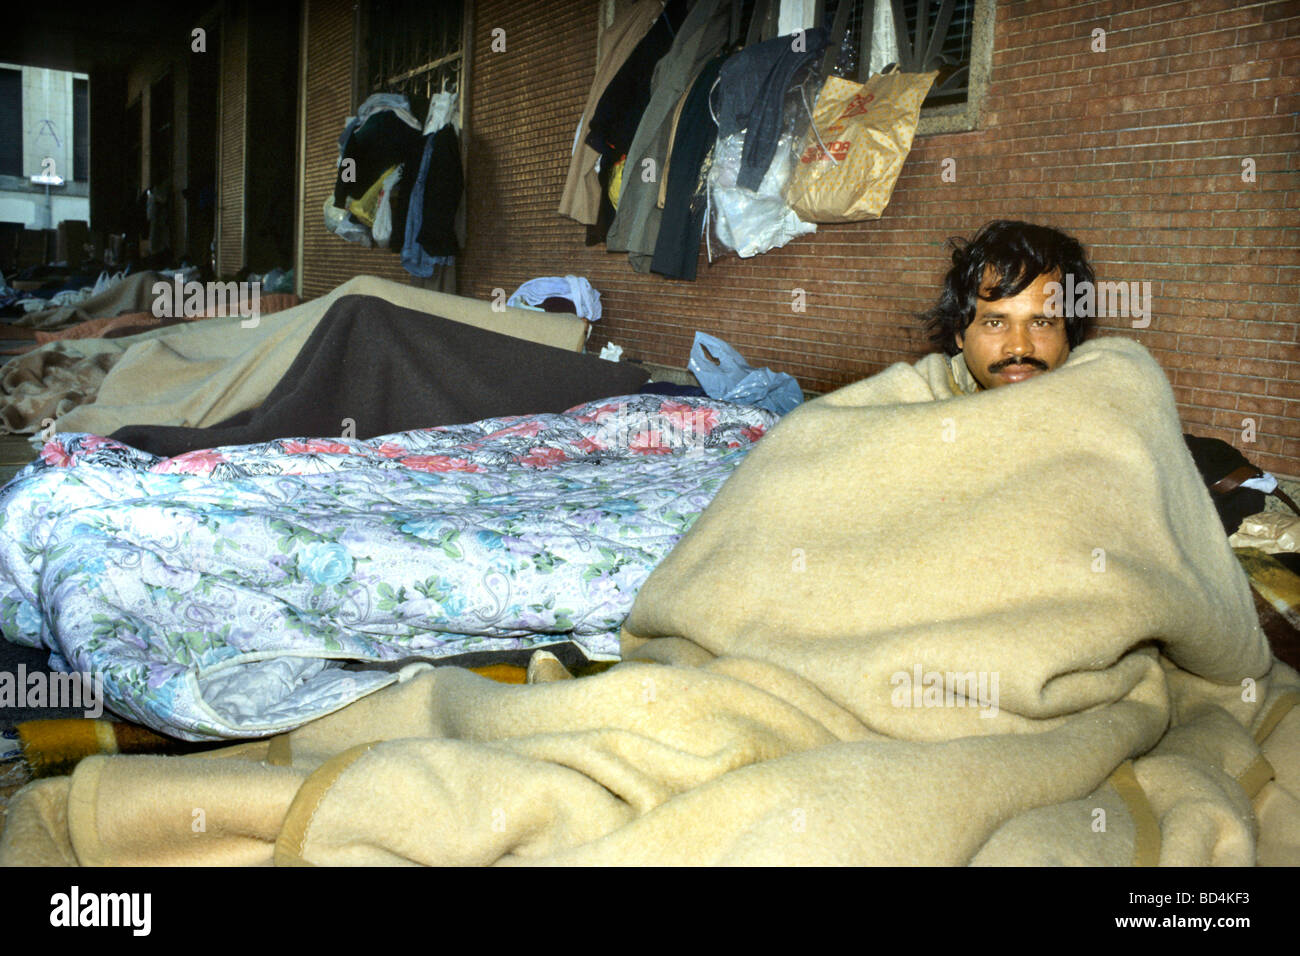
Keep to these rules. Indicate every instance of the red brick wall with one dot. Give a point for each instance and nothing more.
(1137, 151)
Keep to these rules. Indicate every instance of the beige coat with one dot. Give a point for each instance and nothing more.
(581, 197)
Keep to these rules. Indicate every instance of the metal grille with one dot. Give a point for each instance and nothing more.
(414, 47)
(851, 47)
(916, 43)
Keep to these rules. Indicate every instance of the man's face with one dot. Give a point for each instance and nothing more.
(1013, 339)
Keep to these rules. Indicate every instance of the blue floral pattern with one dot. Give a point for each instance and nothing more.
(219, 593)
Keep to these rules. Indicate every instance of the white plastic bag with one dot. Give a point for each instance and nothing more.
(337, 222)
(751, 222)
(382, 230)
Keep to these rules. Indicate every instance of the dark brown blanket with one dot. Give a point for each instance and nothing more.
(387, 369)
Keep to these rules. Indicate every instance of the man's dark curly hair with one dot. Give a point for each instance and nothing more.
(1017, 253)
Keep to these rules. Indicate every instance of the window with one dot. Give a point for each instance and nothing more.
(11, 122)
(80, 130)
(415, 47)
(953, 36)
(932, 34)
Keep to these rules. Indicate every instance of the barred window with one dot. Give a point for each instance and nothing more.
(917, 35)
(415, 47)
(954, 37)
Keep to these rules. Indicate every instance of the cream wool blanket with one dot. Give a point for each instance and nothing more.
(1053, 534)
(133, 293)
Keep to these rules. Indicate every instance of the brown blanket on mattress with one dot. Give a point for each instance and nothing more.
(382, 369)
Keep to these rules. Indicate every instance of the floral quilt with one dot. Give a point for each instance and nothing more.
(219, 593)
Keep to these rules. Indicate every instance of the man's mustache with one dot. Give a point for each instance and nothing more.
(1024, 360)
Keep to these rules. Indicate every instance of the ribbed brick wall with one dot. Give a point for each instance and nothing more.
(230, 182)
(1137, 151)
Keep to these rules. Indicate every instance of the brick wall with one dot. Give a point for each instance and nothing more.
(1137, 151)
(231, 144)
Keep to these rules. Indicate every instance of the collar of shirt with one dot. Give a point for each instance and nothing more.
(963, 382)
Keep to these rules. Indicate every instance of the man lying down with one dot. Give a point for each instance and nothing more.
(928, 620)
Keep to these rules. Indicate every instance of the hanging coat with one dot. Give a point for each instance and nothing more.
(581, 197)
(702, 36)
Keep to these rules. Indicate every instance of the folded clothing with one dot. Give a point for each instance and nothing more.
(579, 291)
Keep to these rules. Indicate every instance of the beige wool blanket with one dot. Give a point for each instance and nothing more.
(201, 374)
(911, 628)
(134, 293)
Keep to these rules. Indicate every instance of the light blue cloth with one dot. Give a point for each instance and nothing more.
(585, 299)
(414, 259)
(1265, 483)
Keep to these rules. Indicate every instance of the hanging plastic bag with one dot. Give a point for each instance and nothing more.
(338, 222)
(731, 379)
(442, 110)
(746, 221)
(852, 154)
(382, 230)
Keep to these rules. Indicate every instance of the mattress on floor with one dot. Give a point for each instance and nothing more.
(218, 593)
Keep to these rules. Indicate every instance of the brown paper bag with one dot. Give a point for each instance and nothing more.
(854, 150)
